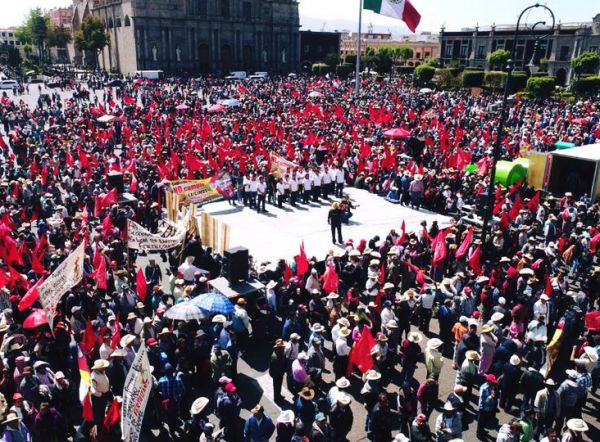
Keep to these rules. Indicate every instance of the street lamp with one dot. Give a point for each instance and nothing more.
(533, 68)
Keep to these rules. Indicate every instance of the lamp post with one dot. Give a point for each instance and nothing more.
(533, 68)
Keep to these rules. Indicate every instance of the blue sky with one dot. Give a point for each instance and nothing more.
(340, 14)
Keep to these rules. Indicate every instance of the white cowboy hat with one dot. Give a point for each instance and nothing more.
(342, 383)
(591, 353)
(316, 327)
(198, 405)
(515, 360)
(100, 364)
(343, 322)
(448, 406)
(11, 417)
(415, 337)
(372, 375)
(286, 417)
(577, 425)
(343, 399)
(498, 316)
(434, 343)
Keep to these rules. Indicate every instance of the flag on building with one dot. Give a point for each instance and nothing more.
(402, 9)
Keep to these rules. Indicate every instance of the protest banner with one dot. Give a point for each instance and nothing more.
(68, 274)
(280, 165)
(203, 191)
(136, 392)
(169, 235)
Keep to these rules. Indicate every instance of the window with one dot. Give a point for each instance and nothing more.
(225, 8)
(247, 10)
(448, 50)
(427, 54)
(418, 55)
(464, 50)
(593, 48)
(481, 51)
(10, 34)
(127, 21)
(500, 44)
(564, 53)
(201, 7)
(110, 23)
(118, 22)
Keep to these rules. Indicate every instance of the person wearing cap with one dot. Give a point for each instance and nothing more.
(241, 322)
(487, 405)
(446, 320)
(420, 430)
(227, 408)
(259, 427)
(24, 410)
(278, 368)
(530, 383)
(15, 430)
(62, 396)
(152, 273)
(509, 382)
(171, 389)
(285, 426)
(29, 386)
(425, 309)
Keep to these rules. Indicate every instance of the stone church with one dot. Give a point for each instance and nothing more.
(196, 36)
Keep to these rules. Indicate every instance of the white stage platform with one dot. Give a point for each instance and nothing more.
(278, 233)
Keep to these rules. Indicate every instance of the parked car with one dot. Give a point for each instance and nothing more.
(8, 84)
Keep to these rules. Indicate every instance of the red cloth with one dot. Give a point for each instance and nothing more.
(400, 239)
(140, 285)
(474, 261)
(116, 338)
(534, 202)
(100, 273)
(287, 274)
(516, 208)
(113, 416)
(301, 262)
(87, 412)
(439, 247)
(592, 320)
(330, 279)
(31, 296)
(360, 355)
(464, 247)
(88, 342)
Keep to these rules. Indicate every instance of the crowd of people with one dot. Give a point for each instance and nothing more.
(371, 326)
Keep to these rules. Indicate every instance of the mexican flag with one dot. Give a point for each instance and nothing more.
(401, 9)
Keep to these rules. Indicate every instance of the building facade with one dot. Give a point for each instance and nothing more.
(471, 47)
(197, 36)
(424, 46)
(316, 46)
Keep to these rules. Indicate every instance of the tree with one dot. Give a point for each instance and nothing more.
(498, 58)
(332, 60)
(58, 36)
(587, 86)
(10, 55)
(586, 63)
(472, 78)
(423, 74)
(35, 30)
(495, 79)
(541, 87)
(405, 53)
(92, 36)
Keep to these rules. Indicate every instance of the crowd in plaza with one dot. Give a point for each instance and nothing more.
(513, 317)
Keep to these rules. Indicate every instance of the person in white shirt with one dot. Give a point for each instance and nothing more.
(339, 182)
(261, 193)
(252, 189)
(325, 182)
(342, 350)
(307, 189)
(280, 191)
(292, 348)
(294, 188)
(316, 181)
(541, 308)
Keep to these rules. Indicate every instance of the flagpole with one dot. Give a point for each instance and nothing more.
(358, 53)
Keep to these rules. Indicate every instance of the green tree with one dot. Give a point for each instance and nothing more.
(332, 60)
(405, 53)
(472, 78)
(586, 63)
(544, 65)
(383, 60)
(58, 36)
(498, 58)
(35, 30)
(495, 79)
(423, 74)
(541, 87)
(92, 36)
(587, 86)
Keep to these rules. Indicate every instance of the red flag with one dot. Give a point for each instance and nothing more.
(594, 242)
(504, 220)
(498, 206)
(88, 342)
(439, 247)
(474, 261)
(4, 278)
(592, 320)
(400, 239)
(360, 355)
(287, 274)
(516, 208)
(548, 287)
(129, 100)
(113, 416)
(301, 262)
(116, 337)
(140, 285)
(100, 273)
(111, 197)
(382, 275)
(330, 279)
(31, 296)
(534, 202)
(462, 250)
(87, 411)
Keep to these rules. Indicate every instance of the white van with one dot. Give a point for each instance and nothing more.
(150, 75)
(8, 84)
(237, 75)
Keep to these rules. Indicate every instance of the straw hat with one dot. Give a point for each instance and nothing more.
(472, 355)
(11, 417)
(342, 383)
(218, 319)
(415, 337)
(498, 316)
(448, 406)
(344, 332)
(316, 327)
(279, 343)
(286, 417)
(302, 356)
(127, 340)
(100, 364)
(577, 425)
(307, 393)
(434, 343)
(343, 322)
(486, 329)
(333, 295)
(372, 375)
(482, 280)
(388, 286)
(591, 353)
(164, 331)
(515, 360)
(343, 399)
(504, 259)
(381, 337)
(198, 405)
(391, 324)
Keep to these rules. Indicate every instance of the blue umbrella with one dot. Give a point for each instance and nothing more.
(214, 303)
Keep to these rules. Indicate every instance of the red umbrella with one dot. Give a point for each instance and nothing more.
(216, 108)
(36, 319)
(396, 133)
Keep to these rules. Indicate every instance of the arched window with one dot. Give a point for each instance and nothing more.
(127, 21)
(110, 23)
(118, 22)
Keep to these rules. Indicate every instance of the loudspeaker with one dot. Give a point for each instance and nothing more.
(115, 179)
(235, 264)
